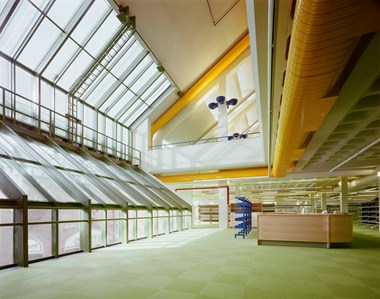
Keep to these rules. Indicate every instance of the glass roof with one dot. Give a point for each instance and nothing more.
(48, 173)
(82, 47)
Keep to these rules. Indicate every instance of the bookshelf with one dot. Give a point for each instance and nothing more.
(209, 213)
(370, 213)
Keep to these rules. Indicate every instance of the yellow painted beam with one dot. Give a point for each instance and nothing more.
(223, 174)
(190, 94)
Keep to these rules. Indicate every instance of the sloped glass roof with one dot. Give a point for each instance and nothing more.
(83, 48)
(47, 172)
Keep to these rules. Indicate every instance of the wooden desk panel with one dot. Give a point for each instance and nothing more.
(312, 228)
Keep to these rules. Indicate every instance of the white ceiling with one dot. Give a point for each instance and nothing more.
(182, 34)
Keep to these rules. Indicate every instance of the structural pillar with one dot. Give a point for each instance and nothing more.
(343, 195)
(223, 205)
(222, 120)
(324, 202)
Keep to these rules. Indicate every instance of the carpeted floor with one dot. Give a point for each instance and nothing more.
(205, 263)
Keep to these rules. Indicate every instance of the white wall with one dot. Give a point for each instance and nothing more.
(202, 157)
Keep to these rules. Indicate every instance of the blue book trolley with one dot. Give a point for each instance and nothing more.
(245, 216)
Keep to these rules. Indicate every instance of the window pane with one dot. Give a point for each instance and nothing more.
(127, 59)
(65, 215)
(39, 215)
(48, 184)
(69, 237)
(141, 228)
(63, 11)
(60, 60)
(114, 98)
(152, 98)
(162, 225)
(113, 231)
(76, 69)
(39, 242)
(42, 40)
(137, 71)
(6, 245)
(132, 229)
(103, 35)
(134, 112)
(22, 183)
(121, 103)
(18, 27)
(90, 20)
(97, 234)
(101, 89)
(146, 76)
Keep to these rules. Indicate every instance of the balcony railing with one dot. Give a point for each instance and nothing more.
(235, 136)
(17, 108)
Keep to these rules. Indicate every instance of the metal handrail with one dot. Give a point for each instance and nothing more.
(203, 140)
(126, 152)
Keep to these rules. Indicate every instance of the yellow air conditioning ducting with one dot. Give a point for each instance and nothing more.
(321, 44)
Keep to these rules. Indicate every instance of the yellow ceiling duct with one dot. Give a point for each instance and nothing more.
(321, 44)
(218, 175)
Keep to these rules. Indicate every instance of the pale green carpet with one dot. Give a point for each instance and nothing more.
(205, 263)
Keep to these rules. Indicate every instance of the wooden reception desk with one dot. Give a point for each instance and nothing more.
(327, 230)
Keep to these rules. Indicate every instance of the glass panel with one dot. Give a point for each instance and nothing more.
(39, 215)
(6, 245)
(2, 196)
(89, 21)
(64, 215)
(142, 231)
(21, 182)
(148, 74)
(47, 95)
(97, 228)
(134, 112)
(40, 241)
(63, 11)
(127, 59)
(40, 3)
(103, 35)
(113, 214)
(89, 189)
(98, 214)
(69, 237)
(76, 69)
(60, 60)
(131, 229)
(5, 73)
(113, 231)
(115, 96)
(157, 93)
(137, 71)
(121, 103)
(10, 146)
(41, 41)
(6, 216)
(162, 225)
(25, 84)
(18, 27)
(48, 184)
(101, 89)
